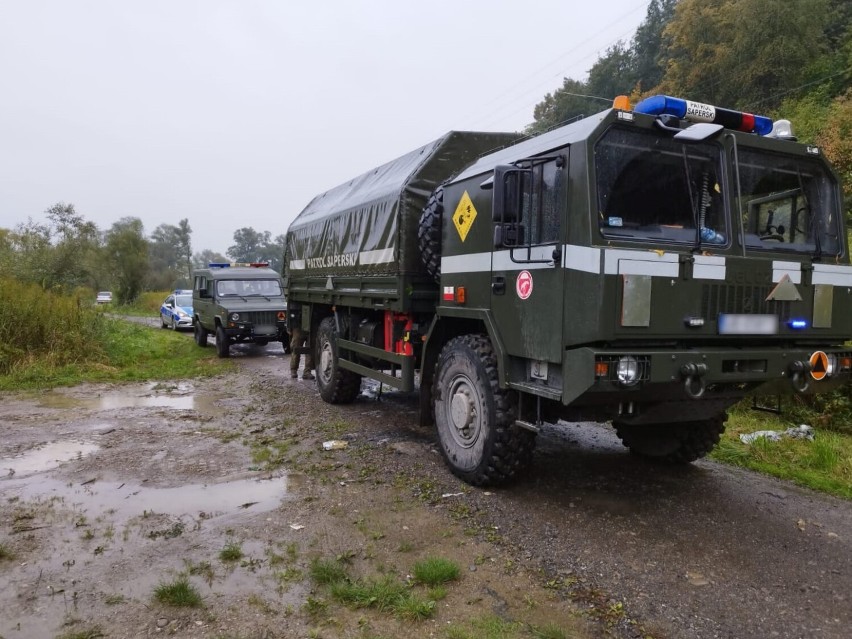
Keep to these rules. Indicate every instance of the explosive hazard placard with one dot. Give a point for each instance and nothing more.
(464, 216)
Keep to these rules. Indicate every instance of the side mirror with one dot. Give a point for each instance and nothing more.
(509, 183)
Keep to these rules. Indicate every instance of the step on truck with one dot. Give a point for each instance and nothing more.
(648, 266)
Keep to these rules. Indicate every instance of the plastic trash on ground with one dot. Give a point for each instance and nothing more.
(334, 444)
(803, 431)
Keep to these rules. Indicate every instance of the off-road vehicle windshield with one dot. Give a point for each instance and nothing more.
(248, 288)
(788, 204)
(652, 187)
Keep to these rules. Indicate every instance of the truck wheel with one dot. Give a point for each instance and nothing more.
(429, 233)
(336, 385)
(200, 334)
(678, 443)
(475, 418)
(223, 346)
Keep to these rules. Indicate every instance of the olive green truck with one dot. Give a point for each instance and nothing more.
(648, 266)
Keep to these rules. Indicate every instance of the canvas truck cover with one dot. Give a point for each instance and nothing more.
(368, 226)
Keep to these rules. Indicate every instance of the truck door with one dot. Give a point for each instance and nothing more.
(527, 279)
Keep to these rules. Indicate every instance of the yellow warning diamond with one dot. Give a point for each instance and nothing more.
(464, 216)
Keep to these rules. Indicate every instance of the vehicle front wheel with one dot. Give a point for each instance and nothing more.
(475, 418)
(174, 323)
(200, 334)
(336, 385)
(223, 344)
(676, 443)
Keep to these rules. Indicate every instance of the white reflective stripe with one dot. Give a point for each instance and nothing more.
(835, 274)
(793, 269)
(297, 265)
(581, 258)
(709, 267)
(380, 256)
(626, 262)
(471, 263)
(503, 259)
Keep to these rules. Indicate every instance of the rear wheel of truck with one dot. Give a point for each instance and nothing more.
(200, 334)
(336, 385)
(429, 233)
(475, 418)
(678, 443)
(223, 345)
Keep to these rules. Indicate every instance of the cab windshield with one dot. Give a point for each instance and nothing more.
(787, 204)
(248, 288)
(652, 187)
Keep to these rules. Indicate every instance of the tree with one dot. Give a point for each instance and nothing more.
(567, 103)
(127, 253)
(613, 74)
(205, 257)
(743, 53)
(170, 256)
(73, 260)
(254, 246)
(649, 47)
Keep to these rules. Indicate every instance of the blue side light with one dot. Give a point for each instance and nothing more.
(762, 125)
(662, 104)
(797, 324)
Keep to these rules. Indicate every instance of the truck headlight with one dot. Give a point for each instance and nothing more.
(627, 371)
(234, 317)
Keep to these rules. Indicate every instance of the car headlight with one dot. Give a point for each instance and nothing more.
(627, 371)
(234, 317)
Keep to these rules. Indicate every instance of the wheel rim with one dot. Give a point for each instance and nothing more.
(464, 412)
(325, 362)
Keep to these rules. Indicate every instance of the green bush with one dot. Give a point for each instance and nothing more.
(53, 328)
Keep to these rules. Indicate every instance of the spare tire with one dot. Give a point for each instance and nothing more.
(429, 233)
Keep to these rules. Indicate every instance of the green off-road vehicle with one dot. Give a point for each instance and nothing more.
(239, 303)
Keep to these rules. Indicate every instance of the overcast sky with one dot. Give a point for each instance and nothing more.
(236, 113)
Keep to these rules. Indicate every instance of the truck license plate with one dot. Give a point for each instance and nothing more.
(735, 324)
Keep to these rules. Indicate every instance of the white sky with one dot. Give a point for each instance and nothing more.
(236, 113)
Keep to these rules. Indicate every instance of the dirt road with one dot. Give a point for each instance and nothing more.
(109, 491)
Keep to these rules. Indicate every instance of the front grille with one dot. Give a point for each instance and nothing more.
(269, 318)
(730, 298)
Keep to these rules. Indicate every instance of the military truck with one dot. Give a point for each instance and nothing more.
(240, 302)
(648, 266)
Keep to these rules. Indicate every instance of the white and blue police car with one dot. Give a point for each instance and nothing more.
(176, 311)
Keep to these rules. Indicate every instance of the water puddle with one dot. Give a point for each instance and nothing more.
(177, 396)
(124, 500)
(46, 457)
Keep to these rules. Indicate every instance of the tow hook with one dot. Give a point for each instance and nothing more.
(799, 375)
(693, 384)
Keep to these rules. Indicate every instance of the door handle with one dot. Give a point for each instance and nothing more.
(498, 285)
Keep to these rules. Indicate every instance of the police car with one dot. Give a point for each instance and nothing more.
(176, 311)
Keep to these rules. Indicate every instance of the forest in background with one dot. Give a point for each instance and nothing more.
(787, 59)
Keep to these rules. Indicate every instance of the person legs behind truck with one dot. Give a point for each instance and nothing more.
(298, 339)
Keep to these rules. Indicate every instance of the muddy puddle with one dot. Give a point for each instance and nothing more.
(178, 397)
(124, 500)
(45, 457)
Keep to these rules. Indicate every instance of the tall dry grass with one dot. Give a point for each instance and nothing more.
(46, 327)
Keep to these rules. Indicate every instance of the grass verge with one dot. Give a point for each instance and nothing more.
(824, 464)
(126, 352)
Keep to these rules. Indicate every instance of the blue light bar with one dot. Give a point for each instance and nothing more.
(797, 324)
(219, 265)
(699, 112)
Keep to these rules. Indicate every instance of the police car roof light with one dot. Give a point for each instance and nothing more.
(698, 112)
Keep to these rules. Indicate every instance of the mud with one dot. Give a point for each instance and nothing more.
(118, 489)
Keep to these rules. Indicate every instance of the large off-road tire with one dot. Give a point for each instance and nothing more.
(677, 443)
(223, 342)
(429, 233)
(200, 333)
(336, 385)
(475, 418)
